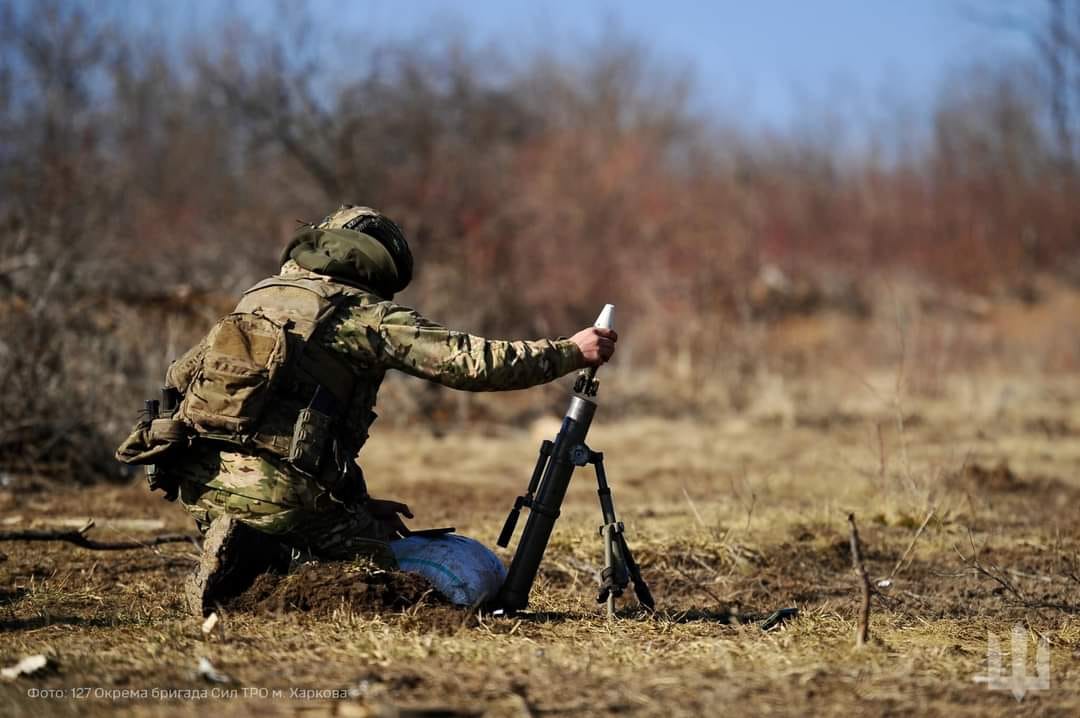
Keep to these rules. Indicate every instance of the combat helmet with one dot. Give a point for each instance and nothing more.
(358, 244)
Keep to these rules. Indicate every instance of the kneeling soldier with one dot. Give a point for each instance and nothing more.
(264, 418)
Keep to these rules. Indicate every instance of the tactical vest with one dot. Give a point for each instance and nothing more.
(259, 382)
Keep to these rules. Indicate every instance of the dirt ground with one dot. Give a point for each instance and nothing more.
(965, 499)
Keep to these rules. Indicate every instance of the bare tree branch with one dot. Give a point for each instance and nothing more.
(79, 538)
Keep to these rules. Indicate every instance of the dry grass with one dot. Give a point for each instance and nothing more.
(737, 517)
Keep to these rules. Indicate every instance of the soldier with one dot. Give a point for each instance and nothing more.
(270, 409)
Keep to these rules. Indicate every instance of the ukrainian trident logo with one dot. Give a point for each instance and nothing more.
(1018, 682)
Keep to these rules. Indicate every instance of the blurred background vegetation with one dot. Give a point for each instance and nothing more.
(146, 179)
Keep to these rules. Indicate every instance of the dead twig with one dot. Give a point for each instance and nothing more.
(750, 510)
(897, 399)
(79, 538)
(862, 634)
(1002, 581)
(1008, 585)
(911, 546)
(693, 508)
(881, 455)
(694, 582)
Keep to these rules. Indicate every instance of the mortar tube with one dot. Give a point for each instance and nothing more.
(514, 595)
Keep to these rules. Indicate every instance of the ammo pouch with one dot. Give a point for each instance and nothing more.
(311, 436)
(313, 433)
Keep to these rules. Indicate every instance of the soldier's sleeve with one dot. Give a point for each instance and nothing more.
(399, 338)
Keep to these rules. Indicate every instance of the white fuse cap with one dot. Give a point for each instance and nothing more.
(606, 320)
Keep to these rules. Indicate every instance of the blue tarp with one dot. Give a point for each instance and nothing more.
(464, 570)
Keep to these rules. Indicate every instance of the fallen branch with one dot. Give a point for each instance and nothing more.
(862, 634)
(79, 538)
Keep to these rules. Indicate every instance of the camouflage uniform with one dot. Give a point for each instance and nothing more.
(373, 335)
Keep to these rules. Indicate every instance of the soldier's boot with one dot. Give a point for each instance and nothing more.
(233, 556)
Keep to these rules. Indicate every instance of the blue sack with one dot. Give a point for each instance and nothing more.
(464, 570)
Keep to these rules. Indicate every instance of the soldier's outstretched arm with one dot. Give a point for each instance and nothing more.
(400, 338)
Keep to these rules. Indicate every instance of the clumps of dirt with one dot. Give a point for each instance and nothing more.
(322, 588)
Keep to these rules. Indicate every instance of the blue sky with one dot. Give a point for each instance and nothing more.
(768, 57)
(768, 60)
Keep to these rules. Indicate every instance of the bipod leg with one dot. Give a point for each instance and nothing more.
(607, 592)
(614, 578)
(527, 500)
(641, 589)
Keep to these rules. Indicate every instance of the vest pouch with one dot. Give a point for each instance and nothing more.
(244, 354)
(152, 441)
(155, 442)
(312, 434)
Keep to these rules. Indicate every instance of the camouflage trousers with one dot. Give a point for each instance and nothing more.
(265, 495)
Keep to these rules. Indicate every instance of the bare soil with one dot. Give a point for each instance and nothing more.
(322, 588)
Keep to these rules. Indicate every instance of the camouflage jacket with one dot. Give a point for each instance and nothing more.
(374, 335)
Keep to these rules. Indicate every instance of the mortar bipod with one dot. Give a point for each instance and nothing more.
(620, 568)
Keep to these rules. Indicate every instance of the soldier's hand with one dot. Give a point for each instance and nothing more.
(386, 512)
(596, 344)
